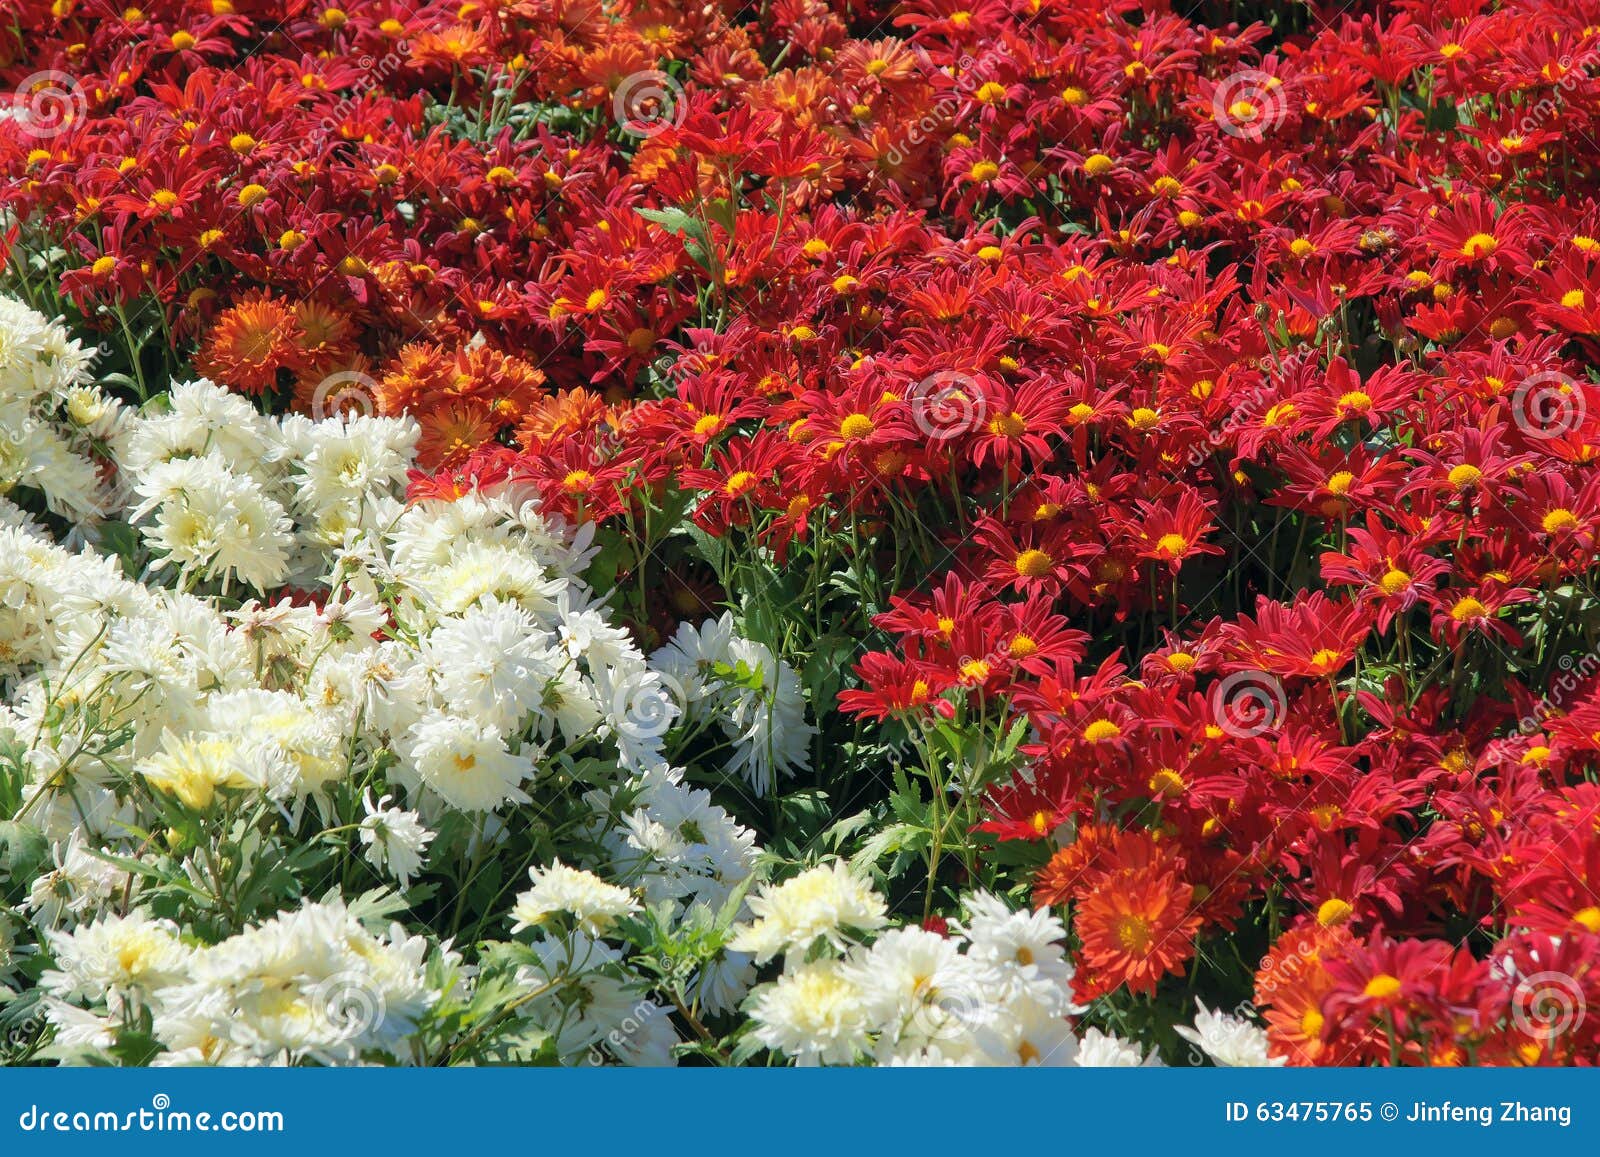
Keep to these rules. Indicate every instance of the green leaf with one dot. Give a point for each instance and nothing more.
(677, 222)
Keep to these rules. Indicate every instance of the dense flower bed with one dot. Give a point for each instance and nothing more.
(957, 531)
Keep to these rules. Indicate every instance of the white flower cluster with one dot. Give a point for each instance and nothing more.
(225, 493)
(310, 984)
(446, 667)
(751, 694)
(54, 423)
(996, 991)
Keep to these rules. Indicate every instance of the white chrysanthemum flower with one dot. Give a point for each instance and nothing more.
(466, 763)
(594, 904)
(919, 989)
(309, 743)
(208, 521)
(815, 1014)
(493, 663)
(1230, 1041)
(1030, 943)
(77, 887)
(312, 983)
(51, 416)
(678, 845)
(193, 768)
(200, 418)
(1102, 1050)
(114, 959)
(823, 902)
(1027, 1032)
(395, 839)
(754, 696)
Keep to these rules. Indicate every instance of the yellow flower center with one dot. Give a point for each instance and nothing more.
(1467, 608)
(1382, 986)
(1394, 581)
(856, 426)
(1340, 482)
(1101, 731)
(1133, 933)
(1171, 545)
(1479, 245)
(1559, 520)
(1011, 425)
(1033, 564)
(1464, 476)
(1167, 783)
(1333, 912)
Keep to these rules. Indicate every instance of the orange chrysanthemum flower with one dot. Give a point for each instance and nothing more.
(249, 345)
(559, 416)
(1290, 985)
(450, 433)
(1137, 926)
